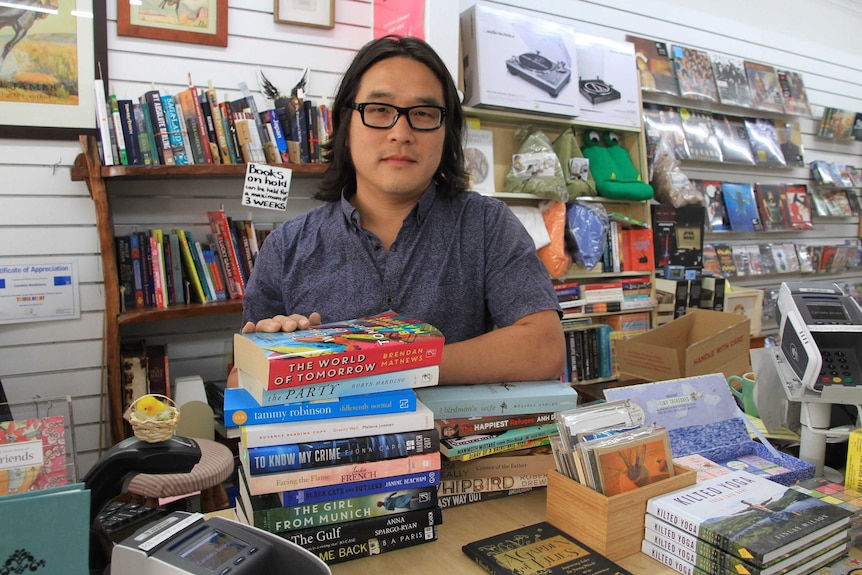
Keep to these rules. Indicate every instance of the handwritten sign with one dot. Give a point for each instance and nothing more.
(266, 187)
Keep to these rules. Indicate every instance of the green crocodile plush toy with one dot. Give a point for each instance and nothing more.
(615, 175)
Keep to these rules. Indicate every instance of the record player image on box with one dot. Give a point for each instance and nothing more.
(597, 91)
(540, 71)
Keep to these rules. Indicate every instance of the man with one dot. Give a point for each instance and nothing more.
(398, 231)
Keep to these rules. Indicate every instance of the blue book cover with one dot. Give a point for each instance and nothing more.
(741, 207)
(512, 398)
(175, 134)
(357, 488)
(28, 547)
(240, 408)
(325, 453)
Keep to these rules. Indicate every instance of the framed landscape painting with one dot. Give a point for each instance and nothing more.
(193, 21)
(47, 76)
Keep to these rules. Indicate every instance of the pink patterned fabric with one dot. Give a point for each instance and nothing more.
(215, 466)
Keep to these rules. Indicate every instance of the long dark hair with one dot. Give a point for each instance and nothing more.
(341, 173)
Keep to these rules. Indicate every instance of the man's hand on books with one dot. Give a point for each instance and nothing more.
(291, 322)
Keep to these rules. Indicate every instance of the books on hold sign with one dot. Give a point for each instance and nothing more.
(381, 343)
(538, 548)
(512, 398)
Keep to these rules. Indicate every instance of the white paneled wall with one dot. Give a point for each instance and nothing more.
(43, 214)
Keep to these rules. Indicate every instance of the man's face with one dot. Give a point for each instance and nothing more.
(399, 161)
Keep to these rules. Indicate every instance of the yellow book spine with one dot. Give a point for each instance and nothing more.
(853, 471)
(191, 273)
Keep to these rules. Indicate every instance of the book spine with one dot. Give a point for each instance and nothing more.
(204, 270)
(335, 544)
(102, 122)
(130, 133)
(221, 230)
(358, 488)
(401, 400)
(125, 272)
(230, 133)
(193, 128)
(150, 131)
(691, 556)
(177, 268)
(218, 126)
(137, 269)
(280, 519)
(184, 130)
(446, 501)
(338, 428)
(202, 124)
(160, 128)
(143, 136)
(191, 272)
(280, 140)
(214, 267)
(524, 444)
(502, 465)
(174, 130)
(278, 458)
(445, 406)
(335, 474)
(483, 484)
(668, 559)
(687, 525)
(165, 245)
(147, 270)
(157, 264)
(118, 129)
(471, 444)
(406, 379)
(463, 426)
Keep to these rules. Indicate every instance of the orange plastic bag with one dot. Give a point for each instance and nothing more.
(554, 255)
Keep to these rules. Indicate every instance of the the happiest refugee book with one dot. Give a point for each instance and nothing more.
(538, 549)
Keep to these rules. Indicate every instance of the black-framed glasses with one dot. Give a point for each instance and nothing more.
(383, 116)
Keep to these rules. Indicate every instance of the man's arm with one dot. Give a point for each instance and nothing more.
(532, 348)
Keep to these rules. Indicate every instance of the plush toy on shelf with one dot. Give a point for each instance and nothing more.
(615, 175)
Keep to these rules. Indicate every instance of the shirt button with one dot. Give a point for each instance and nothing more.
(389, 301)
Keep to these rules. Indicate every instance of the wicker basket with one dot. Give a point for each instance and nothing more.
(150, 430)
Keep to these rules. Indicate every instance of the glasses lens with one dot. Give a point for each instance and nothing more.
(425, 117)
(379, 115)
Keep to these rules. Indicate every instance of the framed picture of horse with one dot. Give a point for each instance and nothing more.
(194, 21)
(51, 52)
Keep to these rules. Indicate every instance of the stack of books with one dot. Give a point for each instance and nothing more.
(744, 523)
(336, 452)
(495, 438)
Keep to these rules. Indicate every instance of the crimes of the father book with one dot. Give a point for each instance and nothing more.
(750, 516)
(538, 549)
(381, 343)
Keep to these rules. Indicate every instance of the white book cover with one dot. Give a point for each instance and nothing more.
(479, 160)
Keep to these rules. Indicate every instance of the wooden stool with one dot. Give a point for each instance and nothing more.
(215, 466)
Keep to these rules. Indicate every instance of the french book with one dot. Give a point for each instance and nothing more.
(458, 499)
(483, 484)
(362, 449)
(266, 512)
(309, 495)
(750, 516)
(522, 462)
(540, 547)
(513, 398)
(240, 408)
(460, 446)
(337, 428)
(365, 537)
(376, 344)
(375, 383)
(464, 426)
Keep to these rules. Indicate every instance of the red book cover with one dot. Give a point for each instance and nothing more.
(640, 255)
(39, 445)
(221, 231)
(382, 343)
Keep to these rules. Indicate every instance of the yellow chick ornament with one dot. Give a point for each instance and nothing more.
(153, 409)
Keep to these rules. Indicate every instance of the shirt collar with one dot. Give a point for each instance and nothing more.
(420, 211)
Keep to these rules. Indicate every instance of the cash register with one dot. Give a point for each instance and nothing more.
(817, 362)
(142, 542)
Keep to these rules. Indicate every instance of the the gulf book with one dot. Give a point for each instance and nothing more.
(749, 516)
(381, 343)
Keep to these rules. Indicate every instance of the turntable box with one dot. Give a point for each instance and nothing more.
(608, 82)
(518, 60)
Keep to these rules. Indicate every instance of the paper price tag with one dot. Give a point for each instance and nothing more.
(266, 187)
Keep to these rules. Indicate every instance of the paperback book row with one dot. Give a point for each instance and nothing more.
(726, 260)
(628, 293)
(160, 269)
(337, 452)
(195, 127)
(840, 124)
(712, 137)
(715, 77)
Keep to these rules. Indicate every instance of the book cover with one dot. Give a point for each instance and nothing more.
(703, 144)
(724, 253)
(741, 207)
(511, 398)
(308, 495)
(798, 207)
(240, 408)
(266, 512)
(731, 80)
(639, 254)
(841, 124)
(404, 379)
(750, 516)
(733, 139)
(655, 66)
(336, 474)
(764, 87)
(458, 499)
(793, 93)
(372, 536)
(711, 263)
(458, 446)
(32, 454)
(716, 213)
(463, 426)
(538, 548)
(790, 142)
(487, 484)
(694, 74)
(324, 453)
(521, 462)
(662, 120)
(479, 160)
(772, 206)
(382, 343)
(763, 137)
(621, 466)
(336, 428)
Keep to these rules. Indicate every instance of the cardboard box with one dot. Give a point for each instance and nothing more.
(608, 82)
(702, 341)
(516, 60)
(613, 526)
(701, 416)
